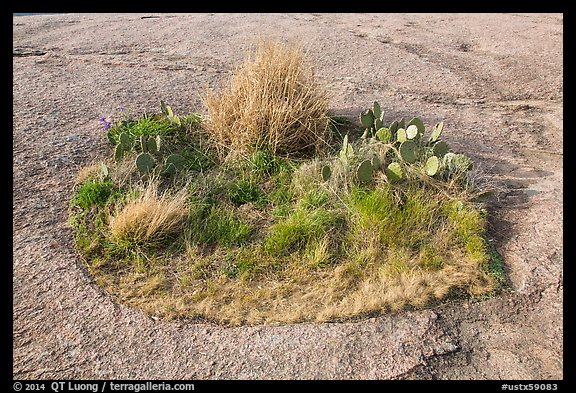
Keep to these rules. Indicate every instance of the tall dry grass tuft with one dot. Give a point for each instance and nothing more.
(273, 101)
(150, 218)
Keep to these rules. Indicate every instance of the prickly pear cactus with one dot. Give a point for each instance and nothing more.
(176, 159)
(143, 143)
(408, 151)
(119, 152)
(401, 135)
(436, 132)
(125, 141)
(384, 135)
(170, 170)
(394, 172)
(367, 118)
(440, 149)
(376, 163)
(364, 171)
(152, 146)
(145, 162)
(411, 131)
(326, 172)
(378, 115)
(419, 125)
(432, 165)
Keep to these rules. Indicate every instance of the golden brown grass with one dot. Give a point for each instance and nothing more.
(273, 101)
(150, 217)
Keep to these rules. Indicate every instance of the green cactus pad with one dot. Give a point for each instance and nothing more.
(440, 149)
(393, 127)
(175, 159)
(436, 132)
(408, 151)
(384, 135)
(401, 123)
(170, 170)
(376, 163)
(394, 172)
(401, 135)
(377, 124)
(145, 162)
(367, 118)
(326, 172)
(364, 171)
(143, 143)
(119, 152)
(377, 112)
(418, 123)
(125, 140)
(411, 131)
(152, 146)
(432, 165)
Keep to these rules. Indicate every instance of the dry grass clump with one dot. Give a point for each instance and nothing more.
(150, 218)
(273, 101)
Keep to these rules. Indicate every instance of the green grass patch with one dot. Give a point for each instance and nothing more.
(262, 238)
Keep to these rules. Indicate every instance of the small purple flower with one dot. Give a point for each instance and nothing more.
(105, 124)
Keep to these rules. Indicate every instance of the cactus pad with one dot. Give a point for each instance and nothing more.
(436, 132)
(152, 146)
(394, 172)
(125, 140)
(176, 159)
(408, 151)
(401, 135)
(326, 172)
(145, 162)
(170, 170)
(432, 165)
(119, 152)
(418, 123)
(367, 118)
(393, 126)
(411, 131)
(377, 112)
(440, 149)
(384, 135)
(143, 144)
(376, 163)
(364, 171)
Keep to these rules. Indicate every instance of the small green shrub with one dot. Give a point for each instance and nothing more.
(210, 224)
(93, 193)
(244, 191)
(298, 229)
